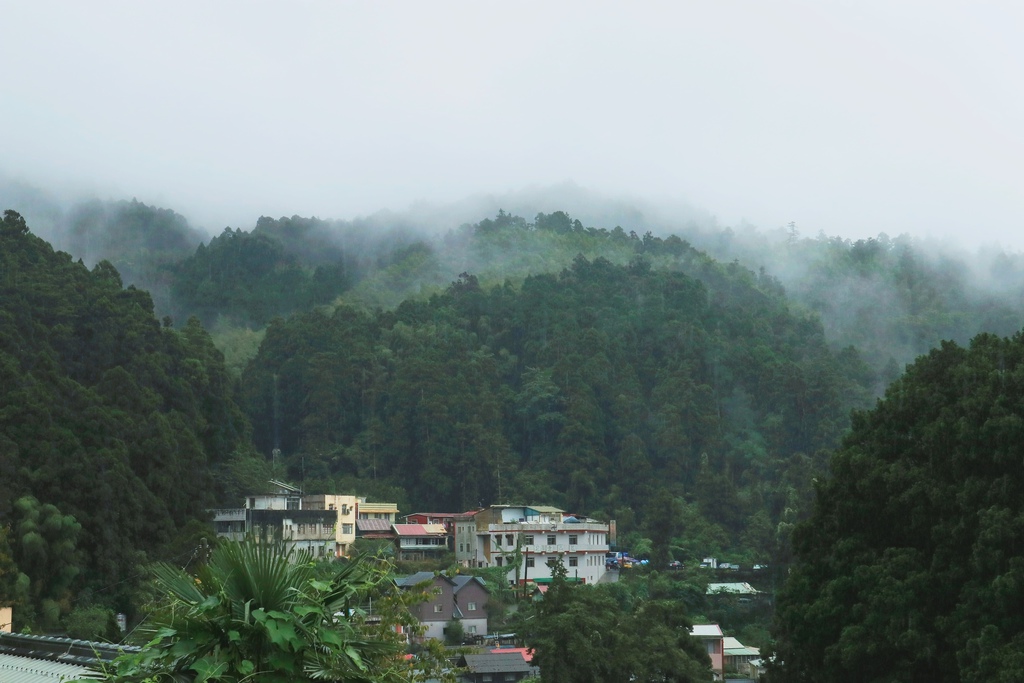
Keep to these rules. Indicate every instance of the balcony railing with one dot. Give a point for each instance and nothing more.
(229, 514)
(578, 527)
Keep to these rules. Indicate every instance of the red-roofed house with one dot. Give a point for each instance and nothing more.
(420, 541)
(445, 519)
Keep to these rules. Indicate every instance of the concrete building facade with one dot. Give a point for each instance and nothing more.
(323, 524)
(526, 538)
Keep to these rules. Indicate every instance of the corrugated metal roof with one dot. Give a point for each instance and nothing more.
(737, 588)
(706, 631)
(420, 530)
(373, 525)
(15, 669)
(497, 663)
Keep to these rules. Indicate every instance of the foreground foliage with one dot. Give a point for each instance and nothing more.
(912, 565)
(597, 634)
(254, 613)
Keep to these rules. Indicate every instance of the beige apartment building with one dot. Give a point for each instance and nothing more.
(323, 524)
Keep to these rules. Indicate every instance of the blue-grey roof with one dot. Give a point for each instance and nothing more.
(461, 580)
(414, 579)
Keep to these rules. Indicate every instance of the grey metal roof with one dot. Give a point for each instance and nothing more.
(418, 577)
(461, 580)
(506, 662)
(15, 669)
(49, 659)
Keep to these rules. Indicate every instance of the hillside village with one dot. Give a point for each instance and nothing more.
(527, 541)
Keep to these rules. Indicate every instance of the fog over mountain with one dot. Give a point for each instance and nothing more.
(847, 118)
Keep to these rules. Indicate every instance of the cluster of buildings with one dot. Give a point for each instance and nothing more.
(523, 539)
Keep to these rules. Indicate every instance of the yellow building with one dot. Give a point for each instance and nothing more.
(386, 511)
(323, 524)
(345, 526)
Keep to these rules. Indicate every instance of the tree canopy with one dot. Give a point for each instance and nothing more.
(108, 420)
(911, 566)
(590, 389)
(588, 634)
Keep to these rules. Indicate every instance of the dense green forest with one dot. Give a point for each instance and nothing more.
(894, 299)
(113, 427)
(629, 376)
(911, 567)
(591, 389)
(891, 298)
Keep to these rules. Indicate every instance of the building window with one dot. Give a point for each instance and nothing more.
(529, 562)
(460, 547)
(551, 539)
(438, 609)
(302, 528)
(572, 539)
(471, 606)
(508, 540)
(498, 561)
(528, 539)
(574, 561)
(471, 630)
(346, 529)
(497, 539)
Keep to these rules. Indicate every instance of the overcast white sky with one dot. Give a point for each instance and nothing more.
(849, 117)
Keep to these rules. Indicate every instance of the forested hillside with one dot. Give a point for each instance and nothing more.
(594, 389)
(891, 298)
(612, 373)
(911, 567)
(111, 428)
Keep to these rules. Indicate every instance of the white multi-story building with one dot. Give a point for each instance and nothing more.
(526, 538)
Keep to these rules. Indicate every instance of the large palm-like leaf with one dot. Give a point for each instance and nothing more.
(254, 613)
